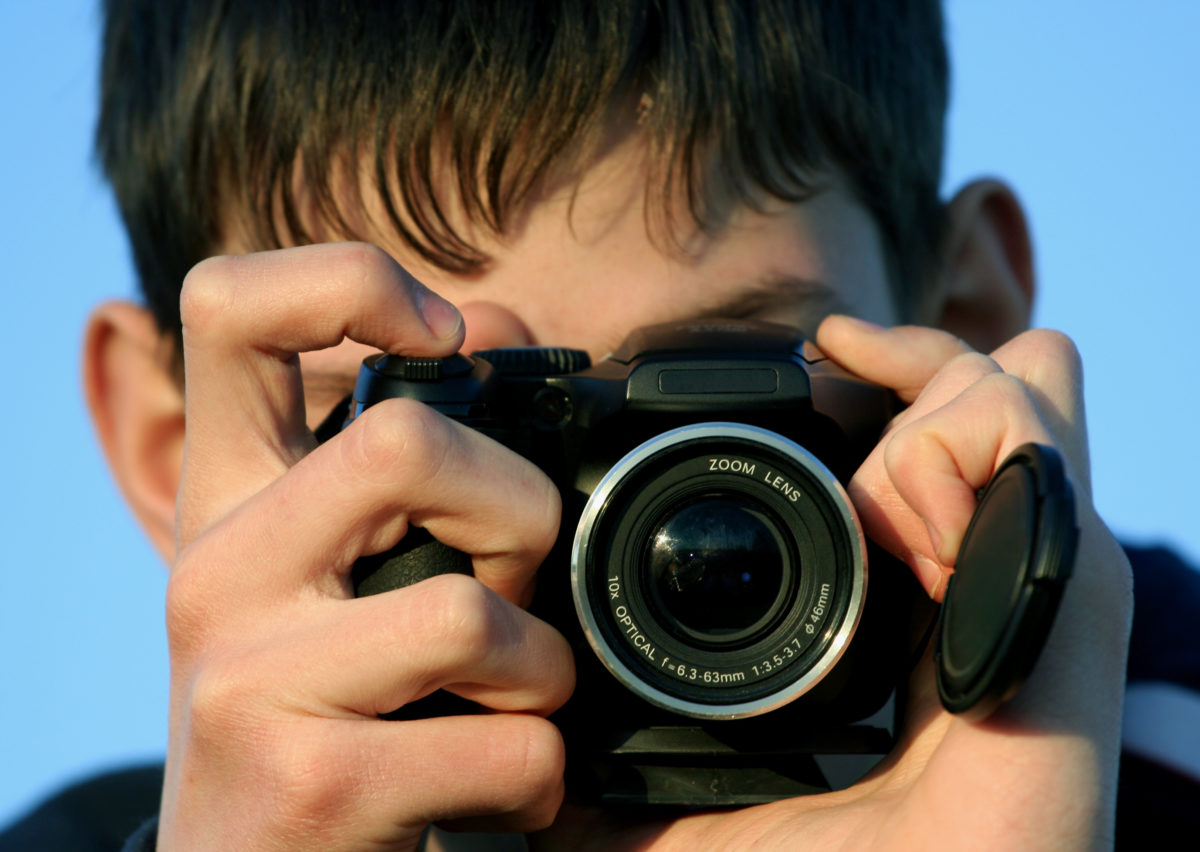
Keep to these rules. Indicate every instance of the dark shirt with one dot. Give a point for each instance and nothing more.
(97, 815)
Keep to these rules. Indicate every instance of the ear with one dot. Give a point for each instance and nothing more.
(987, 287)
(137, 408)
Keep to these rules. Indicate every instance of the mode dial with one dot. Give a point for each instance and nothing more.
(536, 360)
(422, 369)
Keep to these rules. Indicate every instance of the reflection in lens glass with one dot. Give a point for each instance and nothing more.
(717, 566)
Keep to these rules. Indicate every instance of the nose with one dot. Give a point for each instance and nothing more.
(491, 326)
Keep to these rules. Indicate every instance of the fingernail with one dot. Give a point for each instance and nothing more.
(935, 539)
(441, 317)
(929, 573)
(938, 592)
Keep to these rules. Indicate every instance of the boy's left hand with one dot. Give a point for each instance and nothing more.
(1041, 771)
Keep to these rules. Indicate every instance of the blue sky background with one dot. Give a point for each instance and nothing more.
(1088, 108)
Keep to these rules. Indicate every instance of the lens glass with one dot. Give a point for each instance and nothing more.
(717, 567)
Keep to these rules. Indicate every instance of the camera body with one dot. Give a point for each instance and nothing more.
(710, 572)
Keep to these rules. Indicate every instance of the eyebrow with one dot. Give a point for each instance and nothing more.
(813, 300)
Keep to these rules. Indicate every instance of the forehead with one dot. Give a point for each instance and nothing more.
(591, 258)
(584, 264)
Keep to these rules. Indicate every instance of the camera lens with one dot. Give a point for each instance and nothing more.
(717, 568)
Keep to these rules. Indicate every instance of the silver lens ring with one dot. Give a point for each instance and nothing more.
(786, 685)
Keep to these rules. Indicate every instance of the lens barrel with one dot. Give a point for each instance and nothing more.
(719, 570)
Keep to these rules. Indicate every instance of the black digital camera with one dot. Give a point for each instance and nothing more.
(711, 573)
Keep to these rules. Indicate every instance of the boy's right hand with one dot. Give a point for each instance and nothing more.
(278, 672)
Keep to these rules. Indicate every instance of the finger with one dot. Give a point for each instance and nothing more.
(369, 656)
(950, 380)
(919, 502)
(885, 515)
(508, 767)
(399, 464)
(907, 358)
(353, 784)
(1049, 363)
(245, 319)
(904, 358)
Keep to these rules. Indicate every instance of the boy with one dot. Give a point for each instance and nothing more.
(561, 176)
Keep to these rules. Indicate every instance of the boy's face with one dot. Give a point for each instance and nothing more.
(581, 270)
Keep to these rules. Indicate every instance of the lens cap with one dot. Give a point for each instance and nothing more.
(1014, 562)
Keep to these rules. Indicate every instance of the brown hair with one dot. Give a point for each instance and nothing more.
(212, 105)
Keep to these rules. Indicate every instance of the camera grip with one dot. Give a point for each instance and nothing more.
(416, 557)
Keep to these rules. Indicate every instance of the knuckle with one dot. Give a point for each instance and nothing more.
(534, 752)
(558, 690)
(227, 718)
(1007, 389)
(398, 438)
(536, 514)
(907, 452)
(302, 790)
(188, 602)
(1052, 350)
(551, 517)
(308, 793)
(209, 293)
(461, 616)
(1053, 343)
(221, 692)
(365, 263)
(971, 366)
(230, 726)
